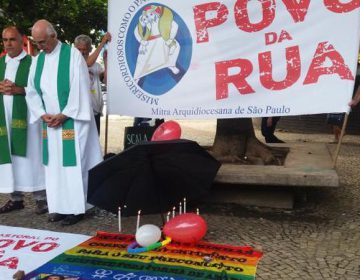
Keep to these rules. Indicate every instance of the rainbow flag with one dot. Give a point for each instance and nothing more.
(105, 257)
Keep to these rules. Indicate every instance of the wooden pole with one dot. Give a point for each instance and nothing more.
(340, 139)
(106, 133)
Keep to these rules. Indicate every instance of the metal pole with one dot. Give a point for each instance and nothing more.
(106, 132)
(340, 139)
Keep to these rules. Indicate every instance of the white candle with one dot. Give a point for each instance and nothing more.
(168, 216)
(184, 205)
(119, 218)
(138, 220)
(173, 212)
(197, 211)
(180, 208)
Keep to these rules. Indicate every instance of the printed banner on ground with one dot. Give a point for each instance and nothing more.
(105, 257)
(238, 58)
(27, 249)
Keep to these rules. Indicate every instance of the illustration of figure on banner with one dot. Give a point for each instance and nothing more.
(156, 32)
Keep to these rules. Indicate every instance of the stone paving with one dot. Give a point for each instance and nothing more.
(318, 239)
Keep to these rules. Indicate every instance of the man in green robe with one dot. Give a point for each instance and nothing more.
(21, 168)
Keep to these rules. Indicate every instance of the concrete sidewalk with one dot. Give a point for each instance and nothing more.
(318, 239)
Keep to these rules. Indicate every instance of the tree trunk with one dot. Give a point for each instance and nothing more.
(235, 142)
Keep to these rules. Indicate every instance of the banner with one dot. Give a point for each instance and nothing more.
(105, 257)
(27, 249)
(199, 59)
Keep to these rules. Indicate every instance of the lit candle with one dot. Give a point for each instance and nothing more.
(173, 212)
(180, 208)
(168, 216)
(197, 211)
(184, 205)
(119, 218)
(138, 220)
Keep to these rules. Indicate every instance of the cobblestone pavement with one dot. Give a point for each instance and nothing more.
(318, 239)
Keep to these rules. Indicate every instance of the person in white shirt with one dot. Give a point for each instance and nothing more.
(84, 44)
(58, 93)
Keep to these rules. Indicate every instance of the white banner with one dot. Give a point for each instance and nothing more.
(27, 249)
(245, 58)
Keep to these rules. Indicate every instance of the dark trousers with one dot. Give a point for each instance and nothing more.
(145, 121)
(141, 121)
(268, 131)
(97, 121)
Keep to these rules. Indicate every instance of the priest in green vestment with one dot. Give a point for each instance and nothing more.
(21, 168)
(58, 94)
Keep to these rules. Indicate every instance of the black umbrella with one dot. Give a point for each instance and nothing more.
(152, 176)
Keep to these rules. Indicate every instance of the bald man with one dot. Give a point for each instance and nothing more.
(21, 169)
(58, 93)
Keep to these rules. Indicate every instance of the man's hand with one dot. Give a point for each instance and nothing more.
(106, 38)
(356, 98)
(47, 118)
(54, 121)
(92, 57)
(2, 84)
(57, 120)
(7, 87)
(353, 103)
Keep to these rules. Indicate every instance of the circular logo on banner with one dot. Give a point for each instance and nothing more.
(158, 48)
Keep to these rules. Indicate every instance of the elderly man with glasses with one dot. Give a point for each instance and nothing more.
(58, 93)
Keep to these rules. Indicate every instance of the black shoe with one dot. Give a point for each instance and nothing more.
(41, 207)
(11, 206)
(72, 219)
(55, 217)
(273, 139)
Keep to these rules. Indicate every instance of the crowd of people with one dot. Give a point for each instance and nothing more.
(50, 108)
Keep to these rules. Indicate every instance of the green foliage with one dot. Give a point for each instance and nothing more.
(69, 17)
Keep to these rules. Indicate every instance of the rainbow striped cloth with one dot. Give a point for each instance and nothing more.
(105, 257)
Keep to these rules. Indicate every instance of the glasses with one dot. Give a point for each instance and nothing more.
(42, 43)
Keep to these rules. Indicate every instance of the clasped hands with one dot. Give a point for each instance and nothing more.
(7, 87)
(54, 121)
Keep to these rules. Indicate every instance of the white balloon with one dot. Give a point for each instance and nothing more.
(147, 235)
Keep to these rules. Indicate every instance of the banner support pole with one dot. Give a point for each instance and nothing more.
(340, 139)
(106, 133)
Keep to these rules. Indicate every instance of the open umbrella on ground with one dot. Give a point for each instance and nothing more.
(152, 176)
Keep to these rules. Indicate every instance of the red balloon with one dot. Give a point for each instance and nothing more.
(186, 228)
(169, 130)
